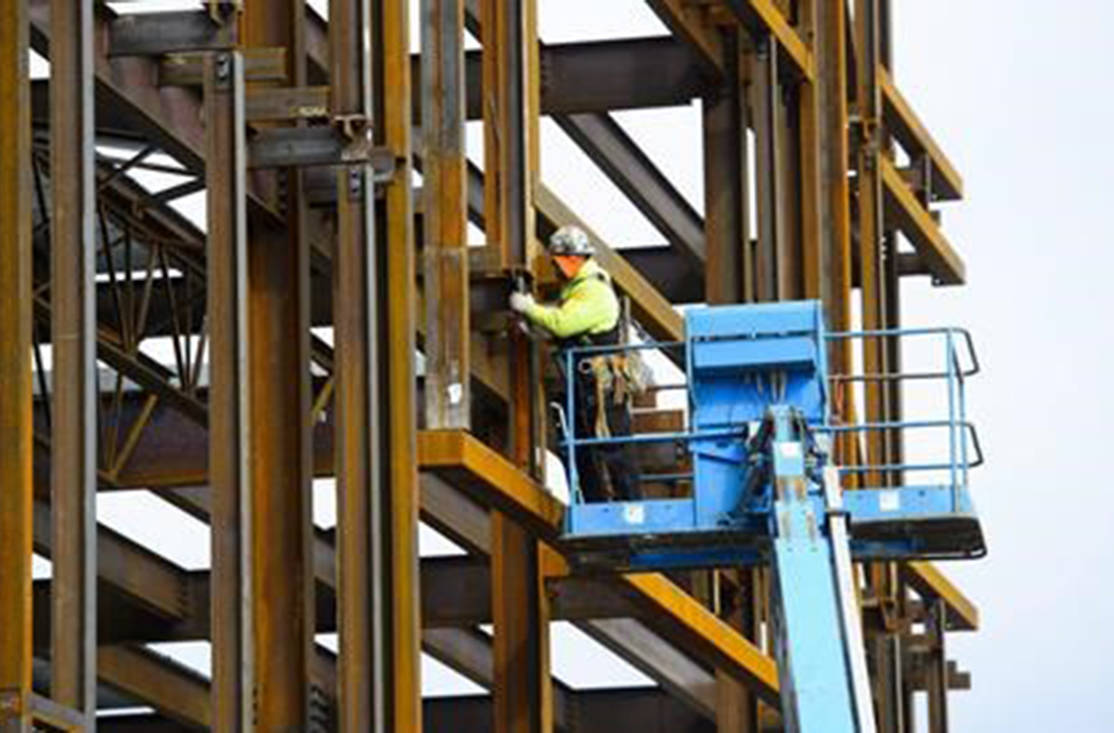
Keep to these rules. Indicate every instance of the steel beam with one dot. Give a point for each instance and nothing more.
(763, 18)
(766, 101)
(906, 126)
(869, 178)
(278, 305)
(448, 393)
(618, 156)
(230, 442)
(690, 21)
(16, 500)
(904, 211)
(399, 533)
(360, 562)
(727, 275)
(73, 336)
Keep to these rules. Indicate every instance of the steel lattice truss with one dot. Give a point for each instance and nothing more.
(209, 388)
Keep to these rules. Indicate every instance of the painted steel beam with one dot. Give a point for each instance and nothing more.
(278, 308)
(448, 393)
(73, 336)
(465, 462)
(927, 579)
(690, 21)
(906, 126)
(230, 443)
(764, 18)
(918, 224)
(16, 500)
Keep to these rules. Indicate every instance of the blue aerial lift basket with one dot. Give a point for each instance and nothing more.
(741, 363)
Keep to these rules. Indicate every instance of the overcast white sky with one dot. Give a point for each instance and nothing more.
(1018, 95)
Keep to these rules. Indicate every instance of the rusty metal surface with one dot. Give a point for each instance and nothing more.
(278, 306)
(73, 335)
(230, 442)
(448, 392)
(16, 500)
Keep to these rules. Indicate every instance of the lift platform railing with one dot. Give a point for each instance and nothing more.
(963, 452)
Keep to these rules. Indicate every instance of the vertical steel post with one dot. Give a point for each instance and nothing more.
(398, 534)
(766, 104)
(728, 269)
(374, 320)
(520, 615)
(356, 336)
(872, 287)
(936, 667)
(831, 70)
(278, 370)
(445, 265)
(520, 610)
(815, 237)
(16, 500)
(230, 463)
(73, 337)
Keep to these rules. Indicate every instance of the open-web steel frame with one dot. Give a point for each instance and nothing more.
(304, 135)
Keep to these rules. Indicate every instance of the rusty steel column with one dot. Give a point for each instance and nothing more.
(278, 370)
(399, 531)
(835, 204)
(73, 337)
(872, 286)
(522, 691)
(520, 615)
(511, 161)
(230, 462)
(375, 324)
(445, 266)
(356, 336)
(16, 499)
(727, 273)
(815, 237)
(768, 114)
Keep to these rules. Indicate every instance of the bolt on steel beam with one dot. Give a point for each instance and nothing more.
(73, 336)
(230, 462)
(16, 500)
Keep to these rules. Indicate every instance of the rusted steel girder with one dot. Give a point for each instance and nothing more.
(278, 296)
(230, 462)
(448, 393)
(73, 335)
(16, 500)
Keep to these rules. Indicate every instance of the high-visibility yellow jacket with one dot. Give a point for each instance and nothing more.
(587, 305)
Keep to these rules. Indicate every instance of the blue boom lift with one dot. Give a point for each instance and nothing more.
(764, 489)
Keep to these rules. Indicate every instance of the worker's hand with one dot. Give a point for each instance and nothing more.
(521, 302)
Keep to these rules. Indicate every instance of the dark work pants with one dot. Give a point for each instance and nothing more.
(593, 463)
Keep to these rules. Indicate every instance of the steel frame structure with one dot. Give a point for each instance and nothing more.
(303, 134)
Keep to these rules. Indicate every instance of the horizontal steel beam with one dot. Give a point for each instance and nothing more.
(156, 34)
(281, 147)
(261, 64)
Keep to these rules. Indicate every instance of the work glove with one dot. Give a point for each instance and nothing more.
(521, 302)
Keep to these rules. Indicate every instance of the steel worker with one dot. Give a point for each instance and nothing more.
(587, 314)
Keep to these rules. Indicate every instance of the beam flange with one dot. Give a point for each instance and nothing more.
(918, 224)
(927, 579)
(907, 127)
